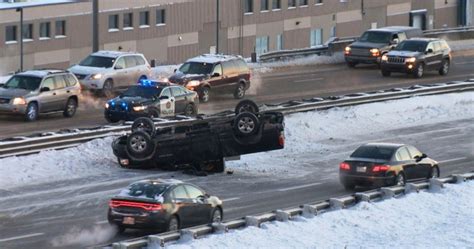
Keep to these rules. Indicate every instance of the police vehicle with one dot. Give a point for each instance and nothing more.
(152, 99)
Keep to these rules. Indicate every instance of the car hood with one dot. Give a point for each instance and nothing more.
(403, 53)
(11, 93)
(130, 100)
(367, 45)
(78, 69)
(181, 78)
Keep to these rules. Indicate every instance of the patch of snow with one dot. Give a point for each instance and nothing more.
(429, 220)
(164, 71)
(295, 62)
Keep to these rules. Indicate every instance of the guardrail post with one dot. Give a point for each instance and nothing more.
(363, 197)
(309, 211)
(252, 221)
(436, 184)
(219, 228)
(387, 192)
(459, 178)
(410, 187)
(155, 241)
(187, 235)
(282, 215)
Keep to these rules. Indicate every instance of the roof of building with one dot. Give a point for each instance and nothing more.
(213, 58)
(33, 3)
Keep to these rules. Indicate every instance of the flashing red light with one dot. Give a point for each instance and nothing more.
(380, 168)
(146, 206)
(344, 166)
(281, 140)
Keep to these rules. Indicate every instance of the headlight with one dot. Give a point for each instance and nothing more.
(139, 108)
(347, 50)
(107, 105)
(96, 76)
(375, 52)
(410, 60)
(193, 83)
(384, 58)
(19, 101)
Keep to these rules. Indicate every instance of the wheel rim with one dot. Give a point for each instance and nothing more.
(173, 226)
(246, 125)
(153, 114)
(32, 112)
(400, 180)
(445, 67)
(420, 70)
(108, 88)
(205, 95)
(71, 107)
(217, 217)
(138, 143)
(142, 126)
(240, 91)
(246, 108)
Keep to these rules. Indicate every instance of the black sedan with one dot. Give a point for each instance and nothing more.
(382, 164)
(164, 205)
(152, 99)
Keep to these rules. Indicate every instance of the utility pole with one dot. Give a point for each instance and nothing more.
(21, 37)
(95, 25)
(217, 26)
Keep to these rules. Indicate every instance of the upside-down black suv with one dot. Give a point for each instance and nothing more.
(166, 205)
(417, 55)
(381, 164)
(202, 143)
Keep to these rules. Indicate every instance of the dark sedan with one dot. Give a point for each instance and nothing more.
(152, 99)
(165, 205)
(382, 164)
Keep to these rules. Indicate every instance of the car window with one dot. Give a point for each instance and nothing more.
(140, 60)
(194, 192)
(97, 61)
(196, 68)
(228, 67)
(130, 61)
(444, 45)
(402, 36)
(373, 152)
(142, 91)
(402, 154)
(414, 151)
(180, 193)
(177, 91)
(411, 45)
(430, 46)
(144, 190)
(60, 82)
(242, 66)
(121, 62)
(166, 92)
(49, 83)
(375, 37)
(217, 69)
(23, 82)
(70, 80)
(437, 46)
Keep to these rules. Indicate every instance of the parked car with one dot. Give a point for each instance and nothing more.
(106, 71)
(382, 164)
(40, 91)
(374, 43)
(214, 73)
(417, 55)
(152, 99)
(203, 143)
(166, 205)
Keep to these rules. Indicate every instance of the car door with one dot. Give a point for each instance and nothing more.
(216, 76)
(438, 50)
(423, 167)
(408, 164)
(229, 75)
(180, 98)
(62, 92)
(201, 207)
(430, 56)
(120, 73)
(47, 96)
(142, 66)
(167, 103)
(184, 206)
(133, 71)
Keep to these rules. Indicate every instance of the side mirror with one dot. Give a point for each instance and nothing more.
(118, 67)
(45, 89)
(216, 75)
(164, 97)
(424, 155)
(2, 84)
(174, 71)
(395, 41)
(429, 51)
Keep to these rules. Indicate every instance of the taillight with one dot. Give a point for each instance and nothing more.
(146, 206)
(281, 140)
(380, 168)
(344, 166)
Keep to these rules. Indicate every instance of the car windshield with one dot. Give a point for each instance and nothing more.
(147, 190)
(23, 82)
(196, 68)
(97, 61)
(142, 91)
(374, 152)
(414, 46)
(375, 37)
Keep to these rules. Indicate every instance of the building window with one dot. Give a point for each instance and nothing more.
(316, 38)
(45, 30)
(10, 34)
(160, 17)
(144, 19)
(113, 22)
(27, 32)
(248, 6)
(262, 45)
(263, 5)
(303, 2)
(128, 21)
(291, 3)
(60, 28)
(279, 42)
(319, 1)
(276, 5)
(333, 31)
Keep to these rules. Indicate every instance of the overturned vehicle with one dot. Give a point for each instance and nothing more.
(201, 143)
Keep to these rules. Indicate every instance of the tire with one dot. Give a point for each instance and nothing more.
(445, 66)
(351, 64)
(112, 120)
(386, 73)
(120, 229)
(204, 94)
(349, 186)
(239, 92)
(216, 216)
(153, 113)
(190, 110)
(400, 180)
(246, 124)
(434, 173)
(217, 166)
(246, 105)
(145, 125)
(108, 88)
(173, 224)
(71, 108)
(31, 113)
(140, 145)
(419, 71)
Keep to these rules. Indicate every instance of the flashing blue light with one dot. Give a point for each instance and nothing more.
(112, 103)
(148, 83)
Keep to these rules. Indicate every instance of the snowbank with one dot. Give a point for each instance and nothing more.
(419, 220)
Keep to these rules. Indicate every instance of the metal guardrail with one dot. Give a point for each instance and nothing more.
(307, 210)
(18, 146)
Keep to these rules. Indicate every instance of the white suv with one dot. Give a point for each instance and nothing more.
(105, 71)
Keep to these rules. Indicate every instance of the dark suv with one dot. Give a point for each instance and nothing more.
(415, 56)
(216, 73)
(374, 43)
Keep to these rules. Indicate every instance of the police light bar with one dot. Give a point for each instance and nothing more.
(153, 83)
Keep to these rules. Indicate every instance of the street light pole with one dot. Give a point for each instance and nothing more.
(217, 26)
(21, 37)
(95, 25)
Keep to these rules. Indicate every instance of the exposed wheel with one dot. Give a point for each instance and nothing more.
(140, 145)
(434, 172)
(204, 94)
(153, 113)
(400, 180)
(351, 64)
(71, 108)
(120, 229)
(246, 105)
(419, 71)
(111, 119)
(444, 70)
(217, 166)
(173, 224)
(386, 73)
(349, 186)
(31, 113)
(144, 124)
(246, 124)
(216, 216)
(108, 88)
(190, 110)
(239, 92)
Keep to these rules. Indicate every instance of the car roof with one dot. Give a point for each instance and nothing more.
(394, 29)
(384, 145)
(213, 58)
(113, 54)
(41, 73)
(161, 181)
(424, 39)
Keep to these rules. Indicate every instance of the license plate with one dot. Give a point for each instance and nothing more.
(128, 220)
(361, 169)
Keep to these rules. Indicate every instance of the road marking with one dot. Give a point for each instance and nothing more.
(449, 136)
(102, 222)
(300, 186)
(231, 199)
(308, 80)
(22, 237)
(453, 160)
(464, 63)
